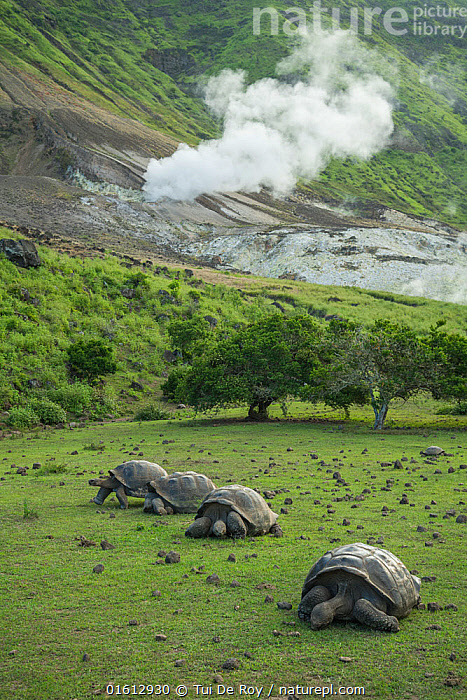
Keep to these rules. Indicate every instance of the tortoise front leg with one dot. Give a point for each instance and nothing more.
(236, 528)
(147, 508)
(199, 528)
(154, 504)
(323, 614)
(101, 495)
(121, 495)
(317, 595)
(158, 506)
(366, 613)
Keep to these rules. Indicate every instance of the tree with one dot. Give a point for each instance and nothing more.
(256, 365)
(322, 384)
(385, 362)
(449, 356)
(189, 335)
(90, 359)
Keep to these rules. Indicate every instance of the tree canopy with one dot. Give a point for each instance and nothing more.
(384, 362)
(255, 365)
(341, 364)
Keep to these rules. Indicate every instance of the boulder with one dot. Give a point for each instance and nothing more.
(21, 253)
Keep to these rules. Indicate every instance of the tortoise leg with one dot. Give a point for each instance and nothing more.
(341, 604)
(219, 529)
(236, 528)
(101, 495)
(366, 613)
(147, 508)
(199, 528)
(157, 505)
(121, 495)
(315, 596)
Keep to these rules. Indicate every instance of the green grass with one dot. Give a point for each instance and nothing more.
(100, 52)
(55, 609)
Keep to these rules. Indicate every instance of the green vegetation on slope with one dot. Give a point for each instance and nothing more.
(142, 58)
(129, 306)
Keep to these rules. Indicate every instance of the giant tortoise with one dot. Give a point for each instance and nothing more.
(180, 492)
(358, 582)
(432, 451)
(128, 479)
(236, 511)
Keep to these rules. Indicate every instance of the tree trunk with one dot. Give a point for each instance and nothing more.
(380, 416)
(259, 410)
(251, 411)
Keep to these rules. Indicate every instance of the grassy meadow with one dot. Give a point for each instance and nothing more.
(56, 610)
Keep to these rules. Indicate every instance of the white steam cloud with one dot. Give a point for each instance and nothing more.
(277, 131)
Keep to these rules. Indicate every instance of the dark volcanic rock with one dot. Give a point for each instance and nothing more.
(21, 253)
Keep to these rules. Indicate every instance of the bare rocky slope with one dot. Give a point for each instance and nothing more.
(76, 170)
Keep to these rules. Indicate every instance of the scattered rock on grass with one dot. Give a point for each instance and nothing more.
(434, 607)
(451, 681)
(172, 558)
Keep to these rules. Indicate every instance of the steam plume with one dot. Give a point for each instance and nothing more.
(276, 131)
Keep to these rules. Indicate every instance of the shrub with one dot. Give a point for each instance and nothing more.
(104, 403)
(194, 294)
(458, 409)
(171, 388)
(174, 287)
(92, 447)
(51, 468)
(90, 359)
(48, 411)
(22, 417)
(152, 412)
(76, 397)
(29, 513)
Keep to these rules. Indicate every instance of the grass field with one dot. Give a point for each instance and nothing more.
(55, 609)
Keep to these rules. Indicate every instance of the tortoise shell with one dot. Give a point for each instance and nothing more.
(247, 503)
(184, 491)
(433, 450)
(379, 568)
(136, 474)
